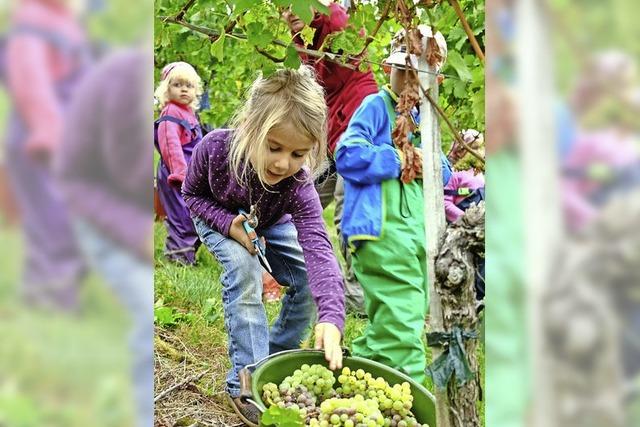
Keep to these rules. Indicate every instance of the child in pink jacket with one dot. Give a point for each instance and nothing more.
(462, 188)
(177, 133)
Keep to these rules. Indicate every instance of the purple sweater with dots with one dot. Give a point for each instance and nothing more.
(213, 195)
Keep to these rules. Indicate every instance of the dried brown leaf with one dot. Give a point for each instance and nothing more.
(434, 54)
(404, 125)
(415, 42)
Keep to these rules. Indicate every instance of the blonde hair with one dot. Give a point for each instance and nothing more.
(288, 95)
(181, 71)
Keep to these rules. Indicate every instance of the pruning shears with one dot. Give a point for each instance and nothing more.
(257, 243)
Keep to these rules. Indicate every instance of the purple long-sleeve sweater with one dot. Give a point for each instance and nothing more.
(214, 195)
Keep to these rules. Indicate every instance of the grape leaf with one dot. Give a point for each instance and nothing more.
(292, 60)
(217, 48)
(242, 5)
(307, 35)
(302, 9)
(164, 39)
(457, 62)
(320, 7)
(459, 89)
(281, 417)
(258, 35)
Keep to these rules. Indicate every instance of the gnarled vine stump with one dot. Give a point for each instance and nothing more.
(455, 283)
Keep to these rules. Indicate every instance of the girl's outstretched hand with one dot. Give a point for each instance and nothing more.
(237, 233)
(328, 338)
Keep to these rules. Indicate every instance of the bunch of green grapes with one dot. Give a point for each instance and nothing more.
(302, 390)
(315, 378)
(351, 412)
(397, 398)
(299, 399)
(271, 394)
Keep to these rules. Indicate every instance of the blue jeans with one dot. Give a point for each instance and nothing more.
(249, 336)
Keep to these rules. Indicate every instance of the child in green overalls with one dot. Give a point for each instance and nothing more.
(383, 224)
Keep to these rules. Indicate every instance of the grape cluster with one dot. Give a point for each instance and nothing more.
(360, 400)
(317, 380)
(299, 399)
(395, 402)
(350, 412)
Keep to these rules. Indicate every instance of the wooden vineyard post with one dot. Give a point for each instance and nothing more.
(434, 214)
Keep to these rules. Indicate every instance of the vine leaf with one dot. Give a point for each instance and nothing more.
(258, 35)
(320, 7)
(302, 9)
(435, 56)
(307, 35)
(292, 60)
(242, 5)
(457, 62)
(217, 48)
(164, 39)
(281, 417)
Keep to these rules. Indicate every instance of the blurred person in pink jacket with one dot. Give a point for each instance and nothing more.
(467, 186)
(46, 53)
(462, 189)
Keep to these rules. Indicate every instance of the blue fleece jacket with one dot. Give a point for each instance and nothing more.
(365, 157)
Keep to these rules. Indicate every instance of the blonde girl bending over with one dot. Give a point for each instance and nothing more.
(265, 165)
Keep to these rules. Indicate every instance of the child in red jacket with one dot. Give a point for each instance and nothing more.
(345, 88)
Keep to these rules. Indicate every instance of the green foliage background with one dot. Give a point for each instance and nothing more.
(231, 63)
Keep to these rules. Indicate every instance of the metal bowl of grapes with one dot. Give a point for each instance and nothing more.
(363, 393)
